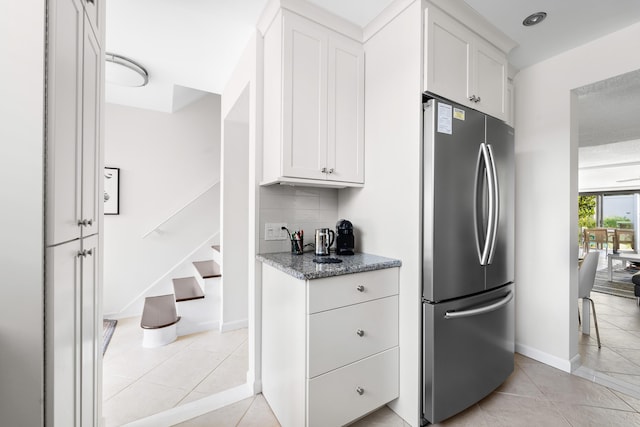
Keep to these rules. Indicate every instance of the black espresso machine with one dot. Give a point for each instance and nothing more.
(344, 237)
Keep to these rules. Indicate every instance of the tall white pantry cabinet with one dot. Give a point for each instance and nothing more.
(73, 216)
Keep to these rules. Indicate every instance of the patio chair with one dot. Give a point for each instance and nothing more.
(598, 237)
(624, 236)
(586, 280)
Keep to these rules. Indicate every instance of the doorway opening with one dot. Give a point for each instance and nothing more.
(608, 206)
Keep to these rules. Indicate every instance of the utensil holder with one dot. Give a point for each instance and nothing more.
(297, 245)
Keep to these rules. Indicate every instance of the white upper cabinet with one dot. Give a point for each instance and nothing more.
(490, 86)
(304, 98)
(314, 104)
(345, 122)
(463, 67)
(64, 127)
(73, 153)
(92, 171)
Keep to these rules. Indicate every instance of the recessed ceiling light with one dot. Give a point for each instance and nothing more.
(534, 18)
(124, 72)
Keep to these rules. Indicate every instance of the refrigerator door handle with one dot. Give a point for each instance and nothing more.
(480, 310)
(484, 165)
(496, 208)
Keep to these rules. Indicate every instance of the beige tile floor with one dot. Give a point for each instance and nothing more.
(139, 382)
(535, 394)
(619, 324)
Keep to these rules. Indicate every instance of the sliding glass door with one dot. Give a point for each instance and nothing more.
(609, 221)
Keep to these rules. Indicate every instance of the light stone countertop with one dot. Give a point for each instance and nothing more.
(304, 268)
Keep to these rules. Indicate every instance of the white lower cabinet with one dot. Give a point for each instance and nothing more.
(330, 345)
(346, 394)
(73, 328)
(340, 336)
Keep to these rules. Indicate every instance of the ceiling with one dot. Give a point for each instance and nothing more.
(190, 47)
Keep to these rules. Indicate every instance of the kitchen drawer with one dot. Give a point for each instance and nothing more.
(339, 291)
(334, 398)
(344, 335)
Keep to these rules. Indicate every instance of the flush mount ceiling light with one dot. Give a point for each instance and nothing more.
(123, 71)
(534, 18)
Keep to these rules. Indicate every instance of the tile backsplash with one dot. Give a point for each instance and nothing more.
(302, 208)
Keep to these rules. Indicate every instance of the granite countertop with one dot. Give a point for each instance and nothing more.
(304, 268)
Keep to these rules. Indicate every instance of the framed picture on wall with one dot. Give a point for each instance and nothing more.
(112, 191)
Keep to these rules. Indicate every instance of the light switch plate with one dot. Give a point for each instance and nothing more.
(274, 231)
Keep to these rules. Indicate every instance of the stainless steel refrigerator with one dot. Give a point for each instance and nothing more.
(468, 257)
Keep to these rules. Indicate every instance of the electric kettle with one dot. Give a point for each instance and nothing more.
(324, 240)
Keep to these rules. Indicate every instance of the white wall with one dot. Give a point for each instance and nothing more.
(246, 80)
(235, 215)
(386, 212)
(22, 215)
(165, 160)
(301, 208)
(546, 191)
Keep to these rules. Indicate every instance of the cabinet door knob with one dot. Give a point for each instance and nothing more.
(472, 98)
(360, 390)
(360, 332)
(478, 99)
(360, 288)
(84, 253)
(85, 222)
(323, 170)
(331, 170)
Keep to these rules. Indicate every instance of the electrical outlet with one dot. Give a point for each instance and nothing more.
(274, 231)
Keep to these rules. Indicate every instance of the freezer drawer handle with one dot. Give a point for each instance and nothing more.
(480, 310)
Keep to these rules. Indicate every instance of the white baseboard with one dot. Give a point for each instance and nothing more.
(546, 358)
(188, 328)
(120, 315)
(576, 362)
(232, 326)
(255, 384)
(194, 409)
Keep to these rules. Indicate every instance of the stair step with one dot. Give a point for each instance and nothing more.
(158, 312)
(217, 254)
(208, 269)
(187, 288)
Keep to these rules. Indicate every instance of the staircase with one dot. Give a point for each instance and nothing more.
(197, 297)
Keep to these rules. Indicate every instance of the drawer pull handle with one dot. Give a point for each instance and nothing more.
(360, 332)
(360, 390)
(360, 288)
